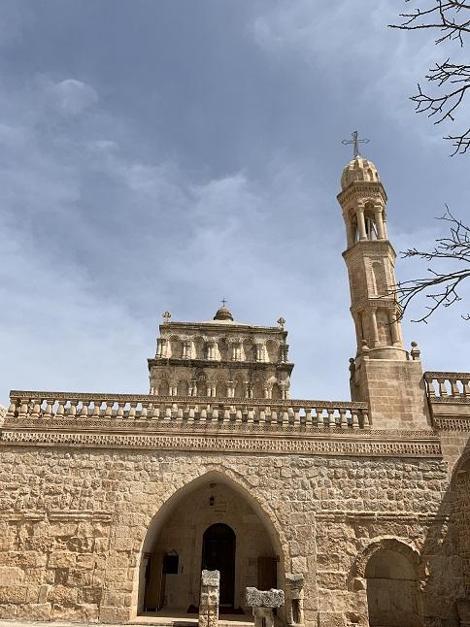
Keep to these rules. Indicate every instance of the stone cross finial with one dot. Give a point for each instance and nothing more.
(281, 322)
(355, 141)
(166, 317)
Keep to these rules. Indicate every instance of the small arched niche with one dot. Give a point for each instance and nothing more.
(392, 590)
(210, 523)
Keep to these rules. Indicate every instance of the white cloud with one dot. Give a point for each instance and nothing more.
(71, 96)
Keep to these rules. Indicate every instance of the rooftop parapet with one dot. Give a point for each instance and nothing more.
(43, 407)
(449, 399)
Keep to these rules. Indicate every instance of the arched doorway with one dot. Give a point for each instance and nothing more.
(211, 522)
(218, 553)
(392, 592)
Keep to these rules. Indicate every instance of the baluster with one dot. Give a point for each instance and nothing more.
(154, 412)
(36, 408)
(442, 387)
(311, 418)
(23, 409)
(144, 412)
(320, 422)
(203, 415)
(365, 415)
(108, 409)
(355, 420)
(73, 408)
(329, 418)
(466, 387)
(47, 413)
(431, 388)
(454, 387)
(131, 413)
(268, 415)
(344, 418)
(191, 413)
(250, 417)
(120, 411)
(238, 415)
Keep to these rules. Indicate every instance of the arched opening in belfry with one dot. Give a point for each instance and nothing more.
(212, 523)
(392, 590)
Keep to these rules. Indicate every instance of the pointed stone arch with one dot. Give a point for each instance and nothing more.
(390, 543)
(181, 489)
(387, 574)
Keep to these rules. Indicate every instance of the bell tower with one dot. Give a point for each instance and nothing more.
(370, 259)
(383, 373)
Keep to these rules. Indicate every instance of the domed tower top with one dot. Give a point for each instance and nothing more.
(359, 170)
(223, 313)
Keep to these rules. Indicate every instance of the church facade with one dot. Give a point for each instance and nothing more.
(111, 505)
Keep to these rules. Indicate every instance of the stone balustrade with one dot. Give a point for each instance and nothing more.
(46, 406)
(448, 385)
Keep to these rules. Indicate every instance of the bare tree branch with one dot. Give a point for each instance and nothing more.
(451, 18)
(440, 288)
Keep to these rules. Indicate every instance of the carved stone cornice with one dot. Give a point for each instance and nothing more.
(366, 189)
(427, 445)
(370, 247)
(222, 363)
(451, 423)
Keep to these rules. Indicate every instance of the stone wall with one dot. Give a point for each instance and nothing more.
(74, 523)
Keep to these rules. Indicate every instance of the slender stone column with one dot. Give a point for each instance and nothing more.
(375, 328)
(361, 223)
(259, 351)
(394, 330)
(379, 222)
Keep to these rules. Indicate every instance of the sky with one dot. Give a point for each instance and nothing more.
(163, 155)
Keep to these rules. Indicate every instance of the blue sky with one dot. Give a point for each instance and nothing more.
(165, 154)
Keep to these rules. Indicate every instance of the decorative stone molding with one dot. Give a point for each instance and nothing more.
(233, 443)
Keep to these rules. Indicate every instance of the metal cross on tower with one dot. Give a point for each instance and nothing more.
(355, 141)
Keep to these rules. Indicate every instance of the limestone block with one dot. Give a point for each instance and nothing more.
(330, 619)
(113, 615)
(210, 578)
(295, 584)
(11, 576)
(264, 598)
(13, 594)
(39, 611)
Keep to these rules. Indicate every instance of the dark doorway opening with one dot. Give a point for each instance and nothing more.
(218, 553)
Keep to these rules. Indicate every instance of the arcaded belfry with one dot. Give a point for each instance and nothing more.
(164, 508)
